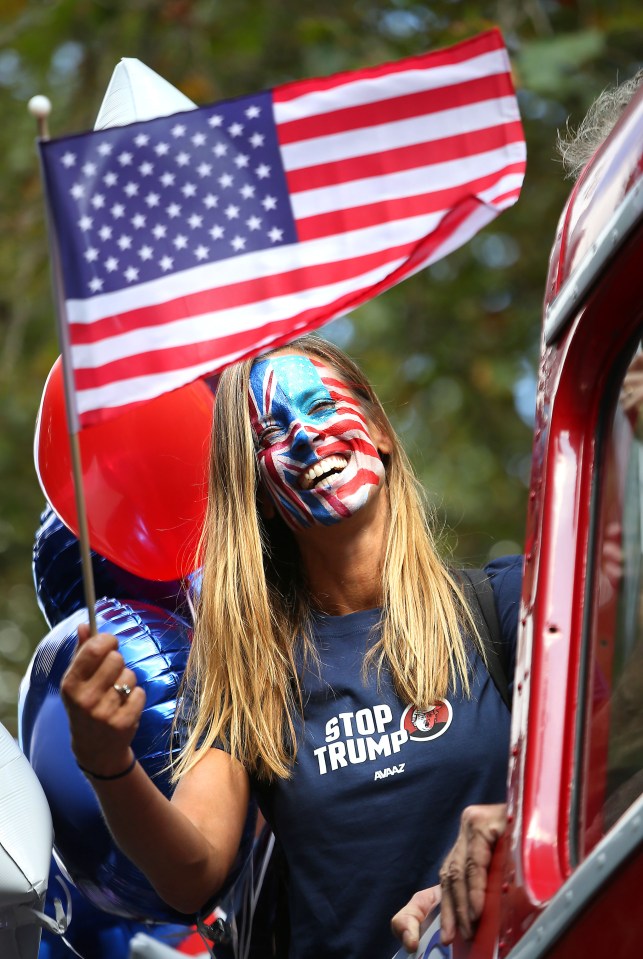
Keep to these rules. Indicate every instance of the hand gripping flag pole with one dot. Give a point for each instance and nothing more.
(40, 107)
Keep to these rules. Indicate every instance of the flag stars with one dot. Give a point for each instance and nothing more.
(89, 169)
(111, 264)
(124, 242)
(178, 130)
(216, 232)
(166, 263)
(247, 191)
(159, 231)
(235, 129)
(146, 168)
(77, 191)
(173, 210)
(256, 140)
(211, 201)
(269, 202)
(117, 211)
(231, 211)
(130, 189)
(138, 221)
(104, 149)
(162, 149)
(225, 180)
(152, 200)
(275, 235)
(220, 150)
(125, 158)
(253, 112)
(241, 161)
(68, 160)
(188, 190)
(146, 252)
(85, 223)
(168, 179)
(201, 252)
(95, 284)
(253, 222)
(105, 233)
(199, 139)
(180, 241)
(131, 274)
(141, 140)
(195, 221)
(182, 158)
(110, 179)
(204, 169)
(238, 243)
(215, 120)
(98, 201)
(91, 254)
(263, 171)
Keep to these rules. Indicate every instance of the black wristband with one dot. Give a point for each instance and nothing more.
(120, 775)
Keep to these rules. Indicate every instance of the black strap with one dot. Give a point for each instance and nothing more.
(479, 594)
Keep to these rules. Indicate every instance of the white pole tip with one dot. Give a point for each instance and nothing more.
(39, 106)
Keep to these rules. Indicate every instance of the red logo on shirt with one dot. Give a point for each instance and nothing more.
(423, 724)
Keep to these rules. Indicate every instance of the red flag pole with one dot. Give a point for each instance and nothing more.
(40, 107)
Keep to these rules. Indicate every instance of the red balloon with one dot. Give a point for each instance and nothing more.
(144, 476)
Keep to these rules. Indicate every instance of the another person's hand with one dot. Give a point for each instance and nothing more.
(103, 721)
(463, 876)
(463, 880)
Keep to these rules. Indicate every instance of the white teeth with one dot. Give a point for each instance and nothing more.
(321, 469)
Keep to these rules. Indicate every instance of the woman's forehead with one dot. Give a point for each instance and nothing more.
(295, 373)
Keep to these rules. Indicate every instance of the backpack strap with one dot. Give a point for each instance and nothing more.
(479, 594)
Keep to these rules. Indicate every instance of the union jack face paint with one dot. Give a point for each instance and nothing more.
(314, 448)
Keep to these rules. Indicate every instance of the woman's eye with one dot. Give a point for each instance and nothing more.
(269, 432)
(322, 406)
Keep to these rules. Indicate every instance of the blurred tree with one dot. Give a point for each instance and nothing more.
(453, 351)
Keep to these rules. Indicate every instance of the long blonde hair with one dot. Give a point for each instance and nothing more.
(241, 681)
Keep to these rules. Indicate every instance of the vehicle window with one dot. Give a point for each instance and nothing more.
(613, 739)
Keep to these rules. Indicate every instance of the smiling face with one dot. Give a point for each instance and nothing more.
(318, 456)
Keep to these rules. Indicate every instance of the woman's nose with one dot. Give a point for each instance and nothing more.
(303, 439)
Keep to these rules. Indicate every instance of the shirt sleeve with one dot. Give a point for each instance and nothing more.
(505, 575)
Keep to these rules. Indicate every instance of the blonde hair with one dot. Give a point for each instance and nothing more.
(241, 681)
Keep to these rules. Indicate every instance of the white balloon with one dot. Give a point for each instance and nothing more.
(26, 842)
(136, 92)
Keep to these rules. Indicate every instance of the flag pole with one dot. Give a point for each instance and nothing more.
(40, 108)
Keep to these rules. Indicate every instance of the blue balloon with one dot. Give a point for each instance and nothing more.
(58, 579)
(94, 933)
(155, 644)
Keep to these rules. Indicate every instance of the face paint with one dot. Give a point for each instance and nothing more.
(315, 453)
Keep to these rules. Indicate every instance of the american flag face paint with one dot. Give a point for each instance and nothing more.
(314, 448)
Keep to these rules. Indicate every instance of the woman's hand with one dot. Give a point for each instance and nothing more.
(463, 880)
(103, 721)
(406, 923)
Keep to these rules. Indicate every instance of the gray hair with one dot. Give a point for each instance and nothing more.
(576, 148)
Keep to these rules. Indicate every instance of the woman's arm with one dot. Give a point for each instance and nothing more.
(185, 846)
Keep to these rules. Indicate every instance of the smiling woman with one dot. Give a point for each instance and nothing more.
(334, 672)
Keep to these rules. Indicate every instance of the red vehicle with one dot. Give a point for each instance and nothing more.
(566, 880)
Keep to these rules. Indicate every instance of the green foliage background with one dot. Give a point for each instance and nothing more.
(453, 351)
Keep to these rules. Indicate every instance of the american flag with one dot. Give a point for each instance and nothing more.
(191, 241)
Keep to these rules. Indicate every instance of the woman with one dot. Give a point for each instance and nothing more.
(333, 673)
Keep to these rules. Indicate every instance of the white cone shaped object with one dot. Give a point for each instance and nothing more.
(136, 92)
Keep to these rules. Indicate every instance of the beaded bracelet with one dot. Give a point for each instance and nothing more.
(120, 775)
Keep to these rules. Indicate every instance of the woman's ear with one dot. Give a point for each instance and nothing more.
(265, 503)
(381, 440)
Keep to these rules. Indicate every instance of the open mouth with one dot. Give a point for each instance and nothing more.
(317, 474)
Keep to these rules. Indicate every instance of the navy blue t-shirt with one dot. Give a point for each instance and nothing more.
(374, 802)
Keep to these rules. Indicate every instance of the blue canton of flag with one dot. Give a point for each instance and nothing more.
(144, 201)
